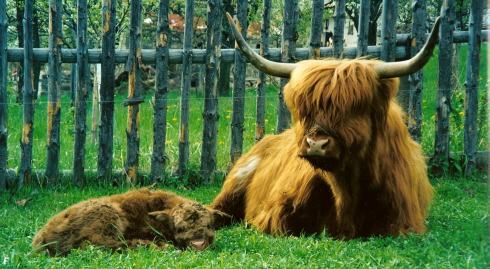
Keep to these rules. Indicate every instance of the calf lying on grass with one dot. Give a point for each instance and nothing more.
(137, 217)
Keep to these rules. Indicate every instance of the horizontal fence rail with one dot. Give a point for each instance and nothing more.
(227, 55)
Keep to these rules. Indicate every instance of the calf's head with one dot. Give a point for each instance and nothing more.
(191, 224)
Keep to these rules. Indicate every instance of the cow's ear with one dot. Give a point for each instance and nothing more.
(221, 219)
(162, 217)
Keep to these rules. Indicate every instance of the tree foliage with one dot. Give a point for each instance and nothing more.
(150, 13)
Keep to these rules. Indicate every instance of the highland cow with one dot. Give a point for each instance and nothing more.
(348, 166)
(135, 218)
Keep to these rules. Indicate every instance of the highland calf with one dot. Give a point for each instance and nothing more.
(138, 217)
(348, 166)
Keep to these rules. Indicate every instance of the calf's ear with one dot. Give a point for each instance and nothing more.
(221, 219)
(162, 217)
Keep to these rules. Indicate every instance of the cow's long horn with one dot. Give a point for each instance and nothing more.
(405, 68)
(269, 67)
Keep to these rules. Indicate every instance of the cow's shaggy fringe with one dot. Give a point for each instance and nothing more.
(378, 183)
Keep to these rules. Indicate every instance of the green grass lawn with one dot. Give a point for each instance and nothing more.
(458, 225)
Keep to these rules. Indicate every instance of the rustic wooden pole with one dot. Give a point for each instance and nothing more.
(73, 84)
(419, 18)
(54, 91)
(3, 95)
(159, 156)
(288, 55)
(471, 85)
(186, 89)
(363, 27)
(28, 103)
(262, 82)
(338, 29)
(105, 151)
(20, 11)
(388, 32)
(444, 91)
(81, 96)
(95, 102)
(239, 75)
(133, 67)
(316, 28)
(211, 112)
(227, 41)
(228, 55)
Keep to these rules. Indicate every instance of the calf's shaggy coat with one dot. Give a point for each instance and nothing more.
(137, 217)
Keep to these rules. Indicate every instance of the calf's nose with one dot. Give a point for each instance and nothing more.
(198, 245)
(316, 147)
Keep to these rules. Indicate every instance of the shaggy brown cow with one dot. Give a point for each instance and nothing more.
(348, 165)
(137, 217)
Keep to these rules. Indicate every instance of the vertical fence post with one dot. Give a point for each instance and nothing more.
(338, 29)
(388, 32)
(262, 82)
(54, 91)
(133, 67)
(288, 55)
(363, 27)
(159, 156)
(186, 89)
(95, 101)
(3, 95)
(471, 85)
(81, 96)
(239, 74)
(316, 28)
(108, 63)
(419, 18)
(28, 103)
(211, 112)
(443, 106)
(73, 83)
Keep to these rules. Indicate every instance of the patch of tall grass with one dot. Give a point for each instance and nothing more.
(457, 236)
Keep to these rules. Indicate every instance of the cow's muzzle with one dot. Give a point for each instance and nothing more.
(313, 147)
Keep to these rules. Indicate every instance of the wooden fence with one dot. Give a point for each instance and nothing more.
(211, 57)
